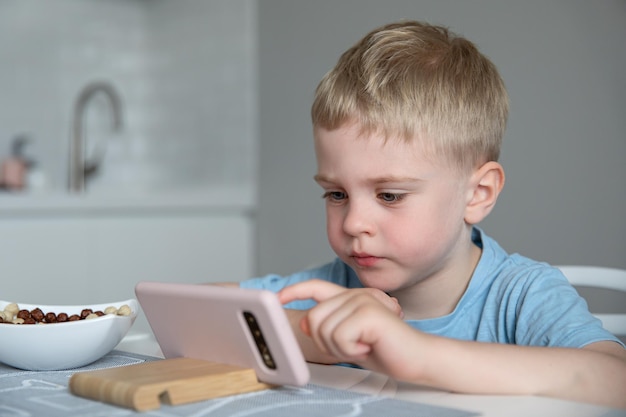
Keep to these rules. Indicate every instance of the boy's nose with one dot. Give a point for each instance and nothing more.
(358, 220)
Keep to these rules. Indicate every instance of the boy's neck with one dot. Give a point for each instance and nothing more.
(439, 294)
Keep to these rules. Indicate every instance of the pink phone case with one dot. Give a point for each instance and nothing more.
(214, 323)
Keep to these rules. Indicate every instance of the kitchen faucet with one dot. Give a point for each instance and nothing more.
(80, 168)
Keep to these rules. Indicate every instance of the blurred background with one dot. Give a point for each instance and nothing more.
(209, 177)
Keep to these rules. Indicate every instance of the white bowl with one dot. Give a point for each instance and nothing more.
(57, 346)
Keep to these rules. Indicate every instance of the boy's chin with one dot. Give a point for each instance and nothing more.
(379, 280)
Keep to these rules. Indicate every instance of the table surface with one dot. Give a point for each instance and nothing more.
(367, 382)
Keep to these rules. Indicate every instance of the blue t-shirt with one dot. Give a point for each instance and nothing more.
(510, 299)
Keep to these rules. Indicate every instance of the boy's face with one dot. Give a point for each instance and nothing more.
(395, 217)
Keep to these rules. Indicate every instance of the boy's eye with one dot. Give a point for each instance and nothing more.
(390, 197)
(334, 195)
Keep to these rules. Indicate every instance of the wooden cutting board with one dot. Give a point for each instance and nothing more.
(145, 386)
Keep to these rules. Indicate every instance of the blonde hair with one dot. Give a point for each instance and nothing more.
(420, 82)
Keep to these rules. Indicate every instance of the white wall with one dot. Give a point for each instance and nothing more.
(186, 71)
(563, 62)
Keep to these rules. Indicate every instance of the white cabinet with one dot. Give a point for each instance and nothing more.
(81, 254)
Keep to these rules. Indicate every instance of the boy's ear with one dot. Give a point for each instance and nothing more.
(484, 186)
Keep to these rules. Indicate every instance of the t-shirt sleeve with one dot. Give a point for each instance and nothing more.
(336, 272)
(550, 312)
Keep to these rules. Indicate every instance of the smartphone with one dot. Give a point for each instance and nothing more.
(229, 325)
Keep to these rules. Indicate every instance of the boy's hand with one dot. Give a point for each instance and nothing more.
(354, 325)
(319, 290)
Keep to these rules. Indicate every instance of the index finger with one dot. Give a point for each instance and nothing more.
(315, 289)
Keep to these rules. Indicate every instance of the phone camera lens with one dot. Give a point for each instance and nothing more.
(259, 340)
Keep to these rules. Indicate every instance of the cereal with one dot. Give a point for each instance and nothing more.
(110, 310)
(12, 308)
(6, 316)
(12, 314)
(37, 314)
(124, 310)
(23, 314)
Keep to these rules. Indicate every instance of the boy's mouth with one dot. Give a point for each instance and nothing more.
(364, 259)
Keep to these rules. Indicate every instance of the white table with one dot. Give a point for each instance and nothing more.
(368, 382)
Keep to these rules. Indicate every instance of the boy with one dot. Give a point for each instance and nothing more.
(407, 131)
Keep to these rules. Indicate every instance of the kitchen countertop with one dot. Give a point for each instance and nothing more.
(222, 198)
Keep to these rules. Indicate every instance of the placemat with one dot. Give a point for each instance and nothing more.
(45, 394)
